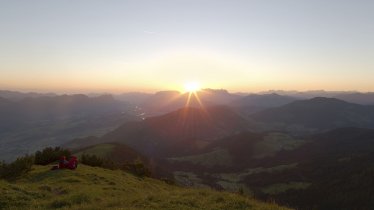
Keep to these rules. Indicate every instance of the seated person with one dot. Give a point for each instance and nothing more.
(73, 163)
(63, 162)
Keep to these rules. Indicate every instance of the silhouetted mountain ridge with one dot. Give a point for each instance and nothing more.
(167, 101)
(265, 100)
(16, 95)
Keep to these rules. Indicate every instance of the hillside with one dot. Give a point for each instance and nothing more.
(96, 188)
(319, 114)
(330, 170)
(179, 132)
(334, 170)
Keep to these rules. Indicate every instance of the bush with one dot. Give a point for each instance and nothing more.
(137, 168)
(92, 160)
(95, 161)
(110, 164)
(50, 155)
(17, 168)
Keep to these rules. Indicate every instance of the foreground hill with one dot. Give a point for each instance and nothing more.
(96, 188)
(318, 114)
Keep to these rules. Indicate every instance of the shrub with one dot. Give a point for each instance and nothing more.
(92, 160)
(110, 164)
(50, 155)
(17, 168)
(137, 168)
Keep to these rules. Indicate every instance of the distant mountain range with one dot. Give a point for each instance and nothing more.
(358, 98)
(46, 109)
(167, 101)
(32, 123)
(349, 96)
(264, 101)
(254, 102)
(318, 114)
(15, 95)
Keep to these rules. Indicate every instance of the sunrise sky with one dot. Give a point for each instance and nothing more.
(119, 46)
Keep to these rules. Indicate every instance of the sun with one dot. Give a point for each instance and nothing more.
(192, 87)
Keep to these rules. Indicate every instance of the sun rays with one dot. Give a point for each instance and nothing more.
(192, 87)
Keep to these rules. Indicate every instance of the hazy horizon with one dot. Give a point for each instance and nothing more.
(148, 46)
(88, 92)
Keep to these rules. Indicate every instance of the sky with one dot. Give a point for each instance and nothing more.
(139, 45)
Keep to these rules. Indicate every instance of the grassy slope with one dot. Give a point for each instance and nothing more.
(97, 188)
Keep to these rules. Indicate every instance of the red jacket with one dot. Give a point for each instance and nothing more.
(73, 163)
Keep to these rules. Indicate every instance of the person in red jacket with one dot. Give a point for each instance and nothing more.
(63, 163)
(73, 163)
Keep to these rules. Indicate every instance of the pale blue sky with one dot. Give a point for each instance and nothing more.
(74, 45)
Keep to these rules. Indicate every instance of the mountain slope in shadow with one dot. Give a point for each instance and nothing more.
(176, 133)
(319, 113)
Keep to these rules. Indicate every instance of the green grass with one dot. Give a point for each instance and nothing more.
(96, 188)
(275, 142)
(238, 177)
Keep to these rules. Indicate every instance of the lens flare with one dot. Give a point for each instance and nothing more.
(191, 87)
